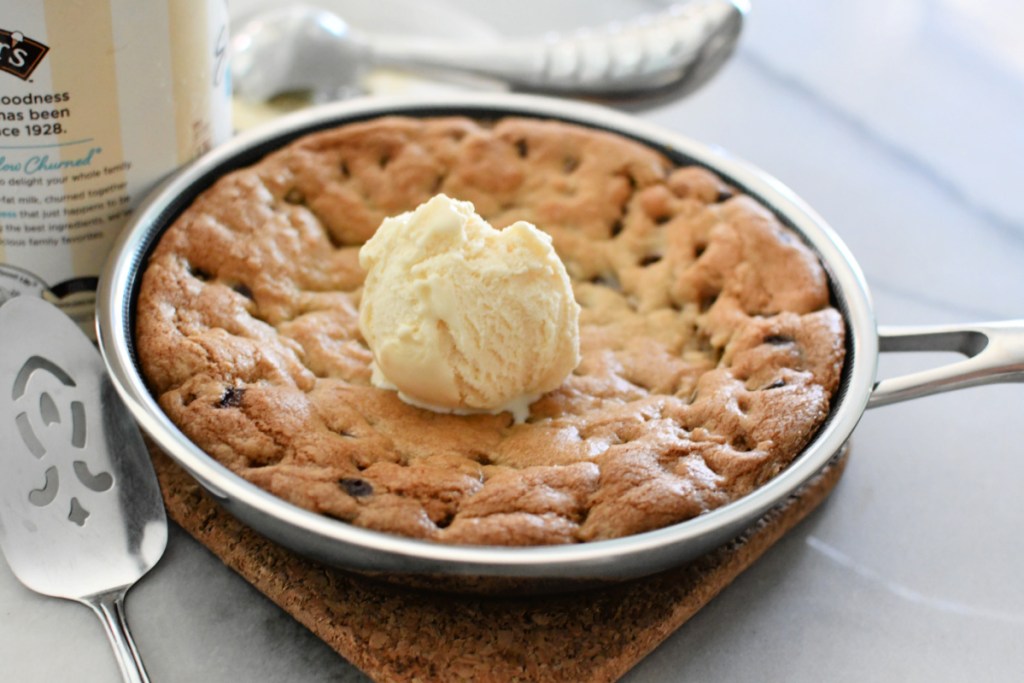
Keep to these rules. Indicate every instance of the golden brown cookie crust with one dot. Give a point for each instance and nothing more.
(710, 350)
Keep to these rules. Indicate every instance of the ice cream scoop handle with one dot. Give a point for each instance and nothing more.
(109, 607)
(650, 52)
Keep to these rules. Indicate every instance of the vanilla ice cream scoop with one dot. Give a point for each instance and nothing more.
(465, 318)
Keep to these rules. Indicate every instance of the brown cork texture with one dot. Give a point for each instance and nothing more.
(395, 633)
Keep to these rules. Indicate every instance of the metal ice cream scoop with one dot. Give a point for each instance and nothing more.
(301, 48)
(81, 515)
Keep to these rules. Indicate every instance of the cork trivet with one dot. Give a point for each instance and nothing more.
(396, 633)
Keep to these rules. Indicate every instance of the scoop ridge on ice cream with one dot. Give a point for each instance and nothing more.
(462, 317)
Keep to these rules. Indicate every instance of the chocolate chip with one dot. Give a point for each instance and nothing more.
(295, 196)
(777, 384)
(243, 289)
(607, 280)
(522, 148)
(232, 397)
(480, 457)
(743, 443)
(648, 260)
(778, 339)
(616, 227)
(357, 488)
(198, 273)
(723, 195)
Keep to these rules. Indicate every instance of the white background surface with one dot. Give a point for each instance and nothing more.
(902, 123)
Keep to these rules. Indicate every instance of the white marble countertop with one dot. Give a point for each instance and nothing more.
(902, 123)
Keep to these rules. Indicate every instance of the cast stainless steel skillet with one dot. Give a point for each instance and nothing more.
(994, 353)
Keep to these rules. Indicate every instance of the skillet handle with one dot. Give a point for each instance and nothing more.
(995, 353)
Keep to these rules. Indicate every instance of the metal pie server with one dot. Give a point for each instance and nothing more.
(81, 516)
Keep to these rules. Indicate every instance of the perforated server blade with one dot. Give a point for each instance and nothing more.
(81, 516)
